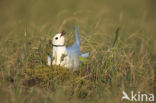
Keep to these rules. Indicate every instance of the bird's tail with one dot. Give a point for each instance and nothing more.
(77, 36)
(49, 61)
(85, 55)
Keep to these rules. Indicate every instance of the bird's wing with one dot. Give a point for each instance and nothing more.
(85, 55)
(77, 36)
(75, 48)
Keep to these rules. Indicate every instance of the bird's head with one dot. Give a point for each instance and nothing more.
(59, 39)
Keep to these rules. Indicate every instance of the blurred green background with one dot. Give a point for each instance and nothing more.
(29, 24)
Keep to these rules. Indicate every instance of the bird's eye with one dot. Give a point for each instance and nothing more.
(56, 38)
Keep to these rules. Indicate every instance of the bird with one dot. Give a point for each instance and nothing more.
(66, 56)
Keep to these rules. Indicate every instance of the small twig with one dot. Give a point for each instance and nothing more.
(116, 36)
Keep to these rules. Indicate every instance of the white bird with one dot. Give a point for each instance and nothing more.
(67, 57)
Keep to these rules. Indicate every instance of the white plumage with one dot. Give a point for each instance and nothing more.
(67, 57)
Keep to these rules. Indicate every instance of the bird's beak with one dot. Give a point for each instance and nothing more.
(63, 33)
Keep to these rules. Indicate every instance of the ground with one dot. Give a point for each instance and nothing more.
(118, 61)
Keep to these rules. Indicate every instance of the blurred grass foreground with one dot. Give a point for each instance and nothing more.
(26, 26)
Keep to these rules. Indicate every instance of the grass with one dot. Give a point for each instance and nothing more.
(119, 60)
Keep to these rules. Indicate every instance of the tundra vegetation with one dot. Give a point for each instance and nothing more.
(120, 35)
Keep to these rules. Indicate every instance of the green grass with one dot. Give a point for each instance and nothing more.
(119, 60)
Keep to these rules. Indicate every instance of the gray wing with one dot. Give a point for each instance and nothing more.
(75, 48)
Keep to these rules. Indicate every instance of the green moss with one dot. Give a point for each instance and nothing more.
(44, 76)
